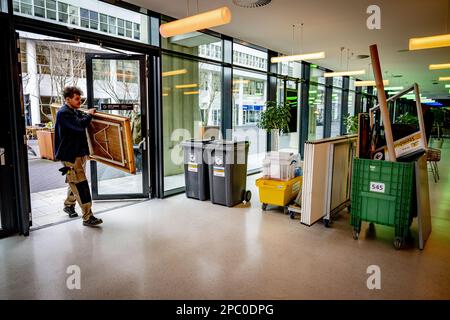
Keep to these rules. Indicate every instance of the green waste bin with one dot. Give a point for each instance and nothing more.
(227, 161)
(382, 193)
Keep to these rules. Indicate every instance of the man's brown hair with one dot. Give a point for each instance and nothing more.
(69, 92)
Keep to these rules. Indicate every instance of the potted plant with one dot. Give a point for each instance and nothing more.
(275, 119)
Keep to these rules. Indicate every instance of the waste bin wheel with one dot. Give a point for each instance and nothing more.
(399, 243)
(248, 196)
(264, 206)
(285, 210)
(355, 234)
(326, 223)
(292, 214)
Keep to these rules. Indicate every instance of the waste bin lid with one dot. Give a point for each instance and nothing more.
(196, 142)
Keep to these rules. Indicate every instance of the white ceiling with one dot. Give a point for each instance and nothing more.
(332, 24)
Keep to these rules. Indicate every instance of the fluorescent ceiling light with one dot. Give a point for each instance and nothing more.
(183, 86)
(344, 73)
(297, 57)
(393, 88)
(427, 100)
(197, 22)
(370, 83)
(165, 94)
(444, 78)
(447, 86)
(174, 72)
(439, 66)
(190, 92)
(429, 42)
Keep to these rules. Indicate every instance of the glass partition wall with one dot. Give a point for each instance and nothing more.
(192, 102)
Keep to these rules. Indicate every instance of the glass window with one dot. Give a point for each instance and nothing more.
(289, 141)
(63, 9)
(249, 98)
(93, 20)
(73, 15)
(316, 112)
(120, 27)
(112, 25)
(137, 31)
(93, 16)
(84, 15)
(317, 75)
(39, 8)
(290, 68)
(51, 9)
(338, 81)
(351, 103)
(16, 6)
(192, 104)
(127, 71)
(26, 7)
(336, 110)
(195, 43)
(246, 56)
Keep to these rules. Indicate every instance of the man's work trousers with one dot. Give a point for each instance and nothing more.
(78, 190)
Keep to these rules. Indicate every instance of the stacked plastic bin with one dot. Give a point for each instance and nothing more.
(382, 193)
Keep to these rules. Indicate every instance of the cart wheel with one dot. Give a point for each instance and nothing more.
(326, 223)
(292, 214)
(355, 234)
(285, 210)
(248, 196)
(399, 243)
(264, 206)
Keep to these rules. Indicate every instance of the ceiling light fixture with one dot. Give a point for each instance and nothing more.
(344, 73)
(447, 86)
(301, 56)
(393, 88)
(174, 72)
(183, 86)
(444, 78)
(297, 57)
(197, 22)
(190, 92)
(439, 66)
(369, 83)
(429, 42)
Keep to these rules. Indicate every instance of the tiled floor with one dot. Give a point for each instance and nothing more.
(179, 248)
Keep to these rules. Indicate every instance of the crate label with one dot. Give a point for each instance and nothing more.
(192, 167)
(377, 187)
(296, 187)
(219, 171)
(372, 168)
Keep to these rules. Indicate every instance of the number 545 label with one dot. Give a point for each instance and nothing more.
(377, 187)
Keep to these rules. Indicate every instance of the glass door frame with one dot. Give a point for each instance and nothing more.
(144, 145)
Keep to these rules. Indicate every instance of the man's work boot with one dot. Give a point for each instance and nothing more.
(92, 222)
(71, 211)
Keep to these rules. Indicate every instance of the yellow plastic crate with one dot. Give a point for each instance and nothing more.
(278, 193)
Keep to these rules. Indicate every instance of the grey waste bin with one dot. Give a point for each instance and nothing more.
(227, 162)
(196, 169)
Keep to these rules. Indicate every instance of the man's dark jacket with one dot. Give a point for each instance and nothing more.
(70, 134)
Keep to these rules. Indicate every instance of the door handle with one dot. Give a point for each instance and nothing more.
(2, 157)
(143, 144)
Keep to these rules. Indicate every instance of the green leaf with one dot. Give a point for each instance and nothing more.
(275, 117)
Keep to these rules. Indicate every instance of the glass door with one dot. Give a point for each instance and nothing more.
(116, 84)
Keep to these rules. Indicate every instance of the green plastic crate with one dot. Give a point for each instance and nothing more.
(382, 193)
